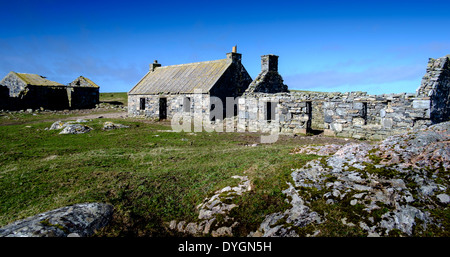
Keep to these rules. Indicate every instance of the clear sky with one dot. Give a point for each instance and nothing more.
(373, 46)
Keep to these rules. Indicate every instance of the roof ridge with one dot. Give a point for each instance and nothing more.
(193, 63)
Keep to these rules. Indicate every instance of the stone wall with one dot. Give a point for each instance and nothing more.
(15, 85)
(83, 97)
(360, 115)
(436, 85)
(187, 104)
(355, 114)
(281, 112)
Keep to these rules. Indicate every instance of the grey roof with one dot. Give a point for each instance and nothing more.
(35, 80)
(183, 78)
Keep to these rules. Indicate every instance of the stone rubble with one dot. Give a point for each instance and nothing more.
(79, 220)
(395, 183)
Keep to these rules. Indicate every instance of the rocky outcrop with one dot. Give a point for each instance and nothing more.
(213, 213)
(390, 187)
(79, 220)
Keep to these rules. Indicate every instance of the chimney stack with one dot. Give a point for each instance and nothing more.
(269, 62)
(154, 65)
(236, 57)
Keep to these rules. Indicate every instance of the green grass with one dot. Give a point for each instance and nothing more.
(150, 176)
(115, 97)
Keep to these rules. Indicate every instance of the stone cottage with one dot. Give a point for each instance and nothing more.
(166, 90)
(32, 91)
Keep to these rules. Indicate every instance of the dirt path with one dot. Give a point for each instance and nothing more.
(86, 116)
(111, 115)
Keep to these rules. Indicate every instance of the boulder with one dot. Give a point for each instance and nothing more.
(75, 220)
(57, 125)
(75, 129)
(110, 125)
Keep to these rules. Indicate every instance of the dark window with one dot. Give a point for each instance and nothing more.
(162, 108)
(364, 113)
(270, 111)
(187, 104)
(142, 104)
(309, 113)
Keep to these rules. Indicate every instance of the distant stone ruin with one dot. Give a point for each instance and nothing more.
(21, 91)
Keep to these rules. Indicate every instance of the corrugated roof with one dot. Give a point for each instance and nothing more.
(36, 80)
(183, 78)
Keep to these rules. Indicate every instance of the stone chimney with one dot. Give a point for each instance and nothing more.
(154, 65)
(236, 57)
(269, 62)
(269, 80)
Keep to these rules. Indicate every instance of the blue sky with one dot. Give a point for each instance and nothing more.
(373, 46)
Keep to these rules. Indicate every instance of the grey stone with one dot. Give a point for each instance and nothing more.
(75, 129)
(57, 125)
(421, 104)
(443, 198)
(79, 219)
(108, 125)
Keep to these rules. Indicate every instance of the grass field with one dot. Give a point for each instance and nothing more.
(149, 175)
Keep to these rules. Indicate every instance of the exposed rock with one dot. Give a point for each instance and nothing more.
(75, 129)
(391, 186)
(318, 150)
(299, 215)
(75, 220)
(110, 125)
(444, 198)
(217, 205)
(57, 125)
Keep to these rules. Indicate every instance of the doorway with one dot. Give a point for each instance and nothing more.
(162, 108)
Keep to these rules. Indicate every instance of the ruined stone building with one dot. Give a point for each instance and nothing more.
(353, 114)
(32, 91)
(265, 104)
(166, 90)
